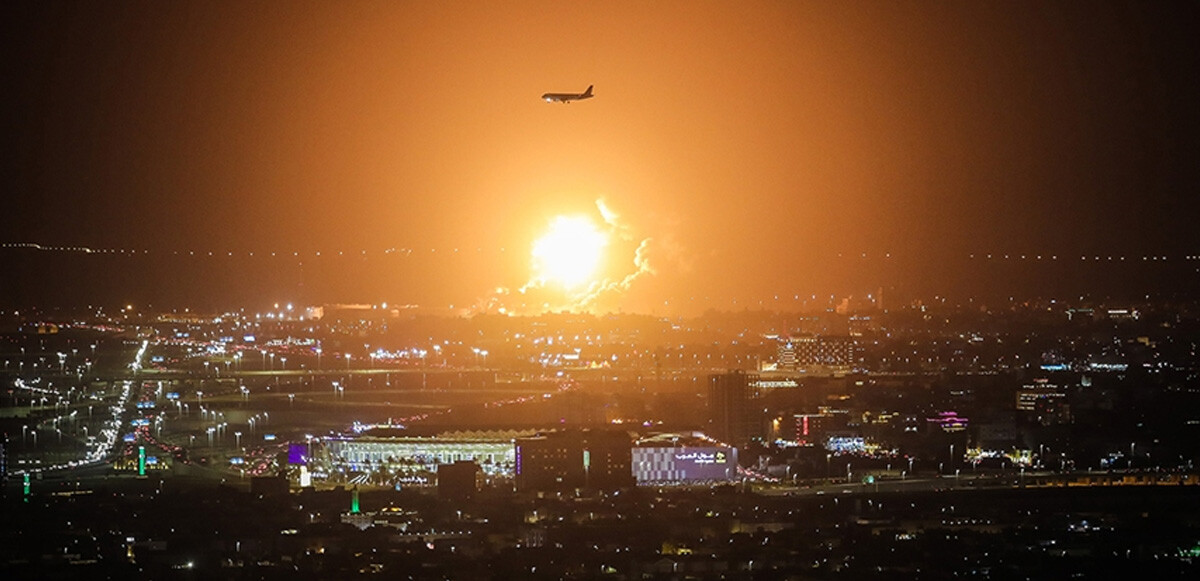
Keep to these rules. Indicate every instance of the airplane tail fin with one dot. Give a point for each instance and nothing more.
(588, 92)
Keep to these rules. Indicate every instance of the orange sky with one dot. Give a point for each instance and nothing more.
(752, 141)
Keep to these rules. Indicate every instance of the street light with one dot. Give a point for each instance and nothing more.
(318, 358)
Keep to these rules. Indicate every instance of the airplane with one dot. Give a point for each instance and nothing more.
(567, 97)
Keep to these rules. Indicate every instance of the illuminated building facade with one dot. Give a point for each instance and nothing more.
(786, 355)
(1028, 395)
(948, 421)
(493, 451)
(682, 459)
(1044, 402)
(813, 428)
(817, 354)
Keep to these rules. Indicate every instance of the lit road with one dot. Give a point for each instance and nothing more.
(989, 481)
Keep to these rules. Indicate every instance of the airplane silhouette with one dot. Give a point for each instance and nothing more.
(567, 97)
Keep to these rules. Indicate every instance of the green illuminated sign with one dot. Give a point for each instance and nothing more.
(141, 460)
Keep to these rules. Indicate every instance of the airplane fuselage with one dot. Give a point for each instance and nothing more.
(567, 97)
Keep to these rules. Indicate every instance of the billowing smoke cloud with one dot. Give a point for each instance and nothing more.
(602, 289)
(613, 220)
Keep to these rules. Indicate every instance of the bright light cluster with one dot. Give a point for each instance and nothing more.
(570, 252)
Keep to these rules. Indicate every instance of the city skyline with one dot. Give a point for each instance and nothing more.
(619, 290)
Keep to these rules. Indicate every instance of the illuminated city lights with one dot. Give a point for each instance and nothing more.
(800, 290)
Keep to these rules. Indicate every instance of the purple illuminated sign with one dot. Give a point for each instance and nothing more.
(298, 454)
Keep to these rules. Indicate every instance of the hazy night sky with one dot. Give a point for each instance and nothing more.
(751, 142)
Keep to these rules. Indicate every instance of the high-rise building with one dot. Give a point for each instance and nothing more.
(608, 459)
(1029, 395)
(733, 417)
(813, 428)
(1044, 402)
(598, 459)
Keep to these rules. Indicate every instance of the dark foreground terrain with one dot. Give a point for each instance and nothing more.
(156, 529)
